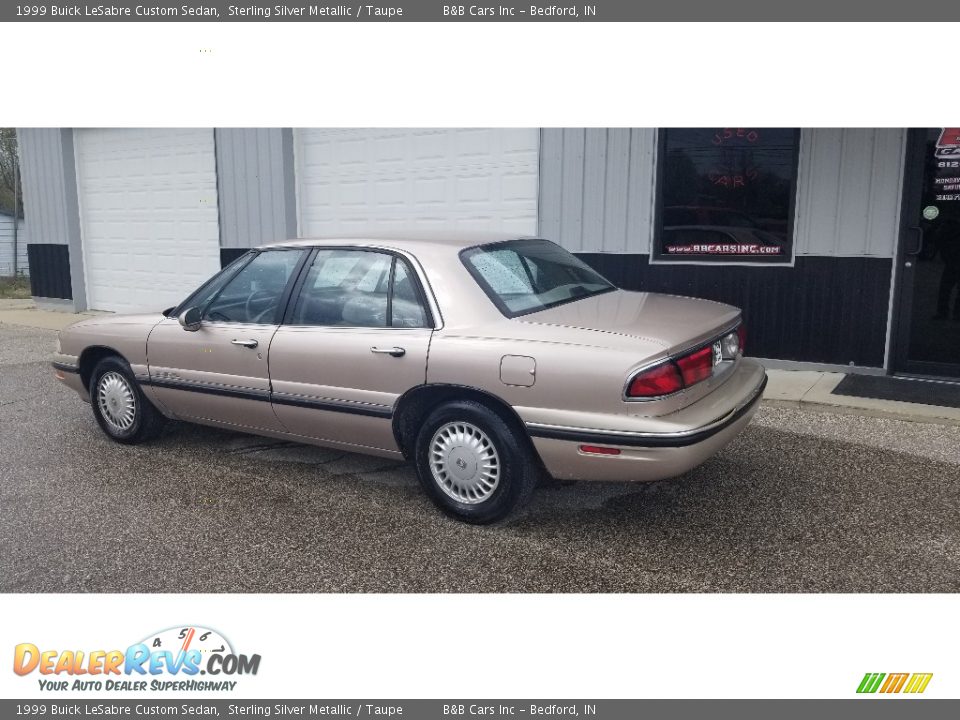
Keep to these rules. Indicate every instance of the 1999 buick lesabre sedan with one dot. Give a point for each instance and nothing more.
(484, 364)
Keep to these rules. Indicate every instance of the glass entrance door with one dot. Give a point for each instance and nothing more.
(929, 334)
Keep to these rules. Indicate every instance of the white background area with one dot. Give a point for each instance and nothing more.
(534, 646)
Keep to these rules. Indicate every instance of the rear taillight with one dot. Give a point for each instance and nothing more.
(742, 335)
(660, 380)
(696, 366)
(676, 374)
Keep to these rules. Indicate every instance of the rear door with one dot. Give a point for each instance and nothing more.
(219, 372)
(355, 338)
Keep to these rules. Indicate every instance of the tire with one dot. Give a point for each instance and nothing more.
(473, 465)
(119, 405)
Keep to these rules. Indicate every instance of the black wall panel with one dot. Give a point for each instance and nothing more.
(824, 309)
(50, 271)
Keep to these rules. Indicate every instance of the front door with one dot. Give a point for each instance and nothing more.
(355, 339)
(219, 374)
(928, 338)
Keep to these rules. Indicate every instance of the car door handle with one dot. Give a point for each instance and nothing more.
(393, 352)
(245, 343)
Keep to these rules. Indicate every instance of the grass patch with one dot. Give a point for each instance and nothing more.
(15, 288)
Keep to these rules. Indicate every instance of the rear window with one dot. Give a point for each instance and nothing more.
(524, 276)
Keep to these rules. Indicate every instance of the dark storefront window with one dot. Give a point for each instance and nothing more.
(726, 194)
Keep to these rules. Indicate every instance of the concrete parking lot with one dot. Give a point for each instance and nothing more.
(802, 501)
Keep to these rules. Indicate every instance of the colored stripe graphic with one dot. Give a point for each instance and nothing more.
(918, 683)
(894, 683)
(870, 682)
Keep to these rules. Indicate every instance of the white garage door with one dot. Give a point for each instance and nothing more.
(148, 215)
(364, 181)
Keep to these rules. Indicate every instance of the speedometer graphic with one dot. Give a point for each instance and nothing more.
(185, 638)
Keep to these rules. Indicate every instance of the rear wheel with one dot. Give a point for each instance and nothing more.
(472, 464)
(119, 405)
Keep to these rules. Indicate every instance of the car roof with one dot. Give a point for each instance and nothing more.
(434, 240)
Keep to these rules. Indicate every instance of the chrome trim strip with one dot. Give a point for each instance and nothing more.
(629, 438)
(331, 404)
(305, 401)
(209, 388)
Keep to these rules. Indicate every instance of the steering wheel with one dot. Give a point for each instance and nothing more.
(262, 298)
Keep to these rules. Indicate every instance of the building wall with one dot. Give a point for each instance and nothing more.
(50, 201)
(255, 186)
(598, 192)
(6, 247)
(44, 200)
(597, 188)
(848, 192)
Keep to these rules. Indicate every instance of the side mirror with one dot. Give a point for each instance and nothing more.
(190, 319)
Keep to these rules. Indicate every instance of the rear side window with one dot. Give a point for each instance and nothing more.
(407, 308)
(524, 276)
(359, 288)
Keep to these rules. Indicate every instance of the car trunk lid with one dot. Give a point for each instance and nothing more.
(671, 322)
(649, 327)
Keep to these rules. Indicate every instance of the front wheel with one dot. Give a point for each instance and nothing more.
(472, 464)
(119, 405)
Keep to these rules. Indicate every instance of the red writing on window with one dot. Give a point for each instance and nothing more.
(949, 137)
(727, 134)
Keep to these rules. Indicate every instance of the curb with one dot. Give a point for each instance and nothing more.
(926, 414)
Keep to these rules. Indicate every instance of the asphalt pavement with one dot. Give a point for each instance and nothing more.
(800, 502)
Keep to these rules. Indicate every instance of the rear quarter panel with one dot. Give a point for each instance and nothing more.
(576, 384)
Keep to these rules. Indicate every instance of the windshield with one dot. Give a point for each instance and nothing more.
(524, 276)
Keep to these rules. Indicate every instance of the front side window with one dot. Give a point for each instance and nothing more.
(202, 296)
(524, 276)
(253, 295)
(727, 194)
(359, 288)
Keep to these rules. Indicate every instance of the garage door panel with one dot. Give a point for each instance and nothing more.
(356, 181)
(149, 216)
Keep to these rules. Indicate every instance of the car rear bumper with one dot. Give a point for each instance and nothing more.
(656, 455)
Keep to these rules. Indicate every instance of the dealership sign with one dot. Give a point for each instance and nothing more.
(947, 156)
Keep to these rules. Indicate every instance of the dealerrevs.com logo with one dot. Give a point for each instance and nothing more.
(174, 659)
